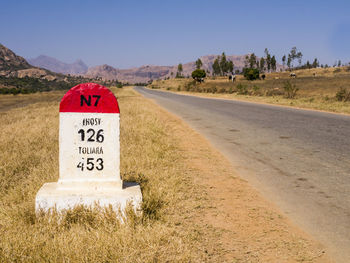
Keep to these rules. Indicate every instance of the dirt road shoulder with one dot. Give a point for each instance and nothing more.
(251, 229)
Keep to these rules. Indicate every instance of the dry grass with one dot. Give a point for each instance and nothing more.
(8, 102)
(317, 88)
(29, 147)
(195, 208)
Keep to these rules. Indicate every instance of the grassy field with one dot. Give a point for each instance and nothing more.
(317, 88)
(195, 208)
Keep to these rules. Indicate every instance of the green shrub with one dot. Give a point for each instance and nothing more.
(343, 95)
(251, 73)
(290, 90)
(242, 89)
(256, 90)
(199, 75)
(189, 85)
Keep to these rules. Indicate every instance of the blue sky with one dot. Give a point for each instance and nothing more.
(133, 33)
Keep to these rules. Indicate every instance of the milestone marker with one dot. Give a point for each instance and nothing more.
(89, 154)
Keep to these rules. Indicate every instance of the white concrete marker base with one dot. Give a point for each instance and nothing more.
(52, 195)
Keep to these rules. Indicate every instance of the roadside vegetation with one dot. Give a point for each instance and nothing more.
(310, 85)
(188, 216)
(315, 88)
(26, 85)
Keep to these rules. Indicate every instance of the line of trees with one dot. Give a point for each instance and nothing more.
(264, 64)
(293, 55)
(268, 63)
(222, 66)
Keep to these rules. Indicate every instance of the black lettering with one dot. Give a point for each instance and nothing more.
(91, 138)
(87, 101)
(82, 134)
(97, 99)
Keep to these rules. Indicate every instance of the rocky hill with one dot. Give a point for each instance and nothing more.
(149, 72)
(18, 76)
(76, 68)
(9, 61)
(12, 65)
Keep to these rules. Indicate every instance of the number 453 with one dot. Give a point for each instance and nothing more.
(91, 164)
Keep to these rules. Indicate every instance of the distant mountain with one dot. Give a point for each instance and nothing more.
(18, 76)
(12, 65)
(104, 71)
(9, 61)
(76, 68)
(133, 75)
(149, 72)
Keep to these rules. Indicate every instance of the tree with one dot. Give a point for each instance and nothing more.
(266, 51)
(216, 67)
(246, 61)
(268, 62)
(289, 62)
(284, 60)
(339, 63)
(223, 64)
(308, 65)
(262, 64)
(199, 63)
(268, 59)
(299, 56)
(295, 55)
(315, 64)
(251, 73)
(179, 71)
(273, 63)
(252, 60)
(198, 75)
(230, 66)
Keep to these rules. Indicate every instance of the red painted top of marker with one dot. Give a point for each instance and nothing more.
(89, 97)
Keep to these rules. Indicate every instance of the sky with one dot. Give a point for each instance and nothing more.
(132, 33)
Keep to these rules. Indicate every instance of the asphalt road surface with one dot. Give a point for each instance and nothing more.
(298, 159)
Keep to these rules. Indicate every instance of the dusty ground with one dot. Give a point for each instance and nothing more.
(251, 229)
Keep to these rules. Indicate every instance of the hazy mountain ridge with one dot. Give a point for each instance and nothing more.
(134, 75)
(55, 65)
(12, 65)
(149, 72)
(16, 66)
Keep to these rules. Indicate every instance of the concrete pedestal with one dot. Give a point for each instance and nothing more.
(68, 195)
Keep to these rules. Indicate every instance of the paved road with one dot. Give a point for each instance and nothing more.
(298, 159)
